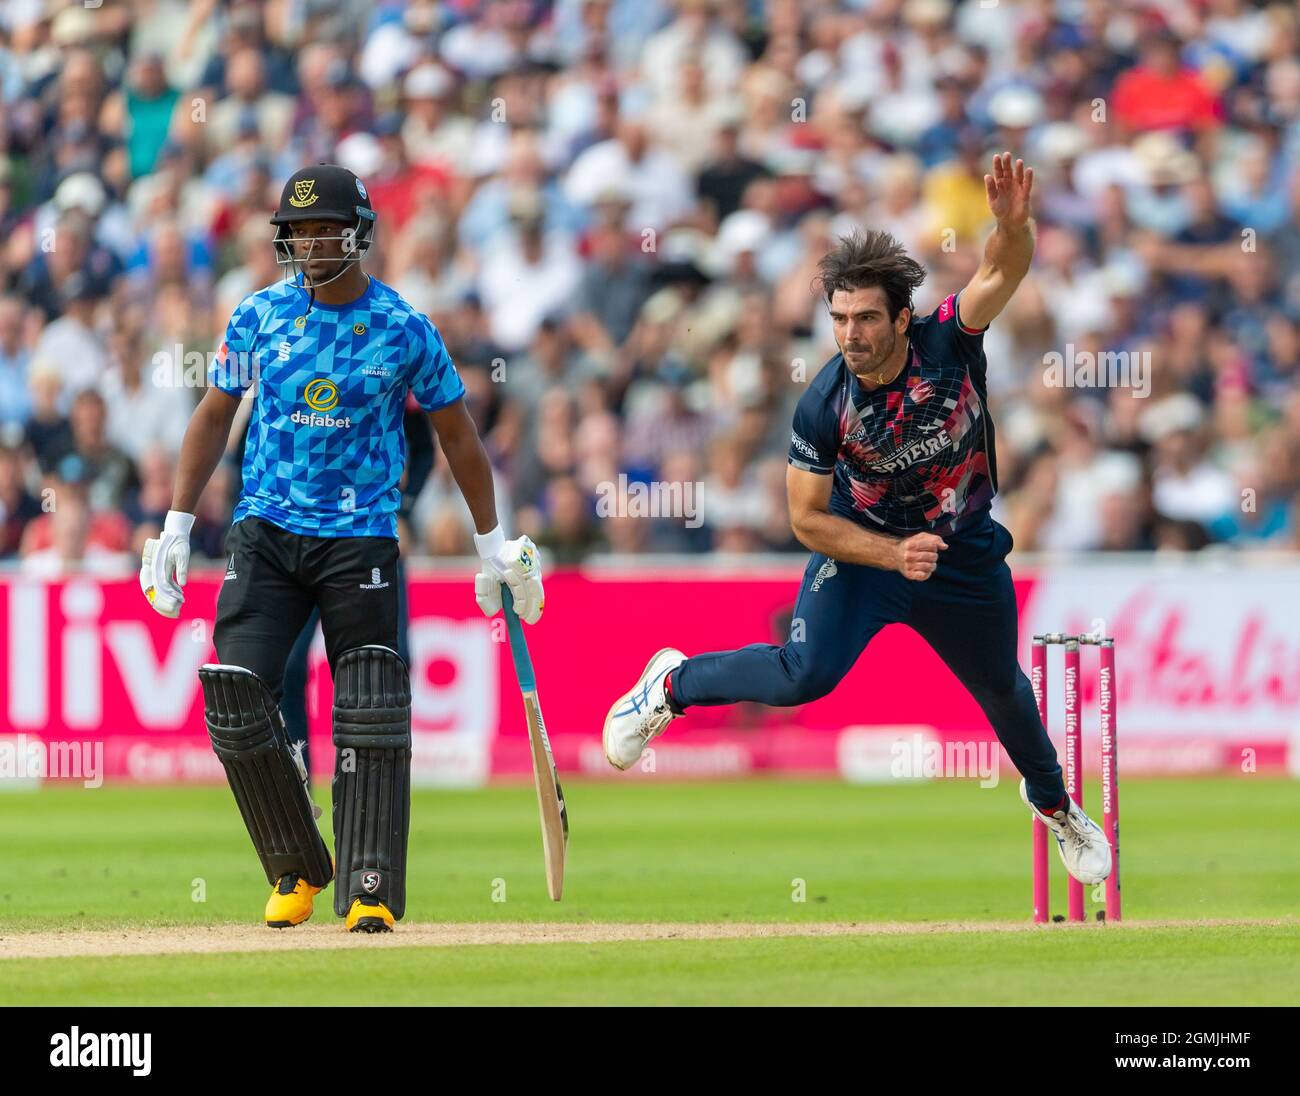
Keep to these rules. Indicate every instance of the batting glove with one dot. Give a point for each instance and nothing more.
(513, 562)
(165, 564)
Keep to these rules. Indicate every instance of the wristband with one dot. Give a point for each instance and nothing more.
(489, 544)
(178, 522)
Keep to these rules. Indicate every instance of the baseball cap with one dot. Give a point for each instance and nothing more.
(427, 81)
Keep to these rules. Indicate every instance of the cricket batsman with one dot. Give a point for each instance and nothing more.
(329, 356)
(890, 479)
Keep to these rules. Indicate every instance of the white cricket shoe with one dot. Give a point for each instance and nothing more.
(641, 714)
(1084, 850)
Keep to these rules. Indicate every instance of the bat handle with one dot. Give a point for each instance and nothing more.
(518, 646)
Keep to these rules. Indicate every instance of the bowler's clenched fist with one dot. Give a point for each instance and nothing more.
(918, 555)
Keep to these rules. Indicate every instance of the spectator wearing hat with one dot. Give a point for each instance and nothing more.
(336, 106)
(243, 27)
(399, 188)
(551, 363)
(661, 420)
(659, 190)
(1186, 486)
(229, 170)
(1187, 265)
(488, 212)
(1016, 110)
(688, 118)
(85, 194)
(1156, 199)
(616, 281)
(953, 194)
(70, 344)
(727, 173)
(936, 142)
(432, 131)
(1058, 147)
(526, 274)
(695, 32)
(73, 259)
(586, 113)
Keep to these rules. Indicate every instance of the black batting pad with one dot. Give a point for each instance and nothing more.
(248, 735)
(372, 777)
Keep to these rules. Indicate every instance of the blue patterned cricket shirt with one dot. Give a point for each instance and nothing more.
(325, 447)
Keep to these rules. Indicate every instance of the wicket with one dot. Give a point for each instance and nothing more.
(1106, 693)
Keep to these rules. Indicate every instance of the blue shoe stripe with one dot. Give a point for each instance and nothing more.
(640, 699)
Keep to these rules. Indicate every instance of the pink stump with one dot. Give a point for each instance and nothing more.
(1108, 691)
(1038, 678)
(1073, 758)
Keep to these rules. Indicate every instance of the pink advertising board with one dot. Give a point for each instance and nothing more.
(1208, 671)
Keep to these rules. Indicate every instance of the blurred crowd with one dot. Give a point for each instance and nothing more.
(612, 210)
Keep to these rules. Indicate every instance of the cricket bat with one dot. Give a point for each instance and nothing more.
(550, 796)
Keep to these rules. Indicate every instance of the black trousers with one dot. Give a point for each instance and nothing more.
(293, 704)
(274, 579)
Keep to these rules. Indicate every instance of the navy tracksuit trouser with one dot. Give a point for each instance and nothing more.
(966, 611)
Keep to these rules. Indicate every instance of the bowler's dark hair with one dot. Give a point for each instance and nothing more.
(866, 259)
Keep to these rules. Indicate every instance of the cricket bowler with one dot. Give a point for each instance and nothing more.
(890, 479)
(329, 356)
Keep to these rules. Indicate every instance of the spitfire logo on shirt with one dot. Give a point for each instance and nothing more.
(925, 449)
(802, 446)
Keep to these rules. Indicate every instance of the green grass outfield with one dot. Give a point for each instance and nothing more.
(704, 853)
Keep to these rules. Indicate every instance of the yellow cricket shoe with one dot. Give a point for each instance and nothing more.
(290, 902)
(369, 915)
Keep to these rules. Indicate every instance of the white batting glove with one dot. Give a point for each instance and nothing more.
(165, 564)
(514, 563)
